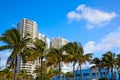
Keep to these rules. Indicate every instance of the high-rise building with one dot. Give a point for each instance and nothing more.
(28, 26)
(58, 42)
(44, 38)
(41, 36)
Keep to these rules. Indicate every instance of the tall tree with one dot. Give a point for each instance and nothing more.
(37, 70)
(68, 75)
(108, 60)
(6, 74)
(117, 63)
(73, 54)
(40, 48)
(97, 64)
(82, 59)
(56, 55)
(23, 75)
(15, 43)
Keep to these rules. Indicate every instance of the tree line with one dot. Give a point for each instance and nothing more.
(71, 52)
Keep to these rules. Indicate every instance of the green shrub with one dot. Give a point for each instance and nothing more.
(102, 79)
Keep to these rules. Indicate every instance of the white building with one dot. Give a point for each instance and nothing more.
(28, 26)
(58, 42)
(44, 38)
(41, 36)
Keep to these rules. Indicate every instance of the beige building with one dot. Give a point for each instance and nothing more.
(58, 42)
(28, 26)
(41, 36)
(44, 38)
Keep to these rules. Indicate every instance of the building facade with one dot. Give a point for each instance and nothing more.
(30, 27)
(58, 42)
(44, 38)
(26, 26)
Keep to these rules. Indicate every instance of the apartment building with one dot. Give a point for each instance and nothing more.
(28, 26)
(58, 42)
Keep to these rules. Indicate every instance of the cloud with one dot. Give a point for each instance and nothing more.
(89, 47)
(3, 62)
(73, 15)
(93, 17)
(108, 42)
(4, 55)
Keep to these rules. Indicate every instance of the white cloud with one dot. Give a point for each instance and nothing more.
(73, 15)
(4, 55)
(3, 62)
(93, 17)
(108, 42)
(89, 47)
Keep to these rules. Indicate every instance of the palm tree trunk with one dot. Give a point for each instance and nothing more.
(100, 73)
(14, 75)
(41, 67)
(118, 74)
(112, 73)
(59, 71)
(107, 72)
(80, 71)
(15, 65)
(73, 72)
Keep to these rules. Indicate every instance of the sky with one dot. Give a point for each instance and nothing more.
(93, 23)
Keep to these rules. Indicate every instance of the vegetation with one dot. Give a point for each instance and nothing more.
(53, 58)
(56, 55)
(108, 60)
(22, 75)
(97, 64)
(75, 54)
(40, 49)
(15, 43)
(102, 79)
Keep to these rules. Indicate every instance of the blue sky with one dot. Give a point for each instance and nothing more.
(94, 23)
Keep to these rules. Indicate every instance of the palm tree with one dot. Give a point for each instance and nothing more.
(68, 75)
(98, 64)
(51, 73)
(83, 58)
(23, 75)
(6, 74)
(37, 70)
(56, 56)
(15, 43)
(73, 51)
(2, 75)
(108, 60)
(117, 63)
(40, 48)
